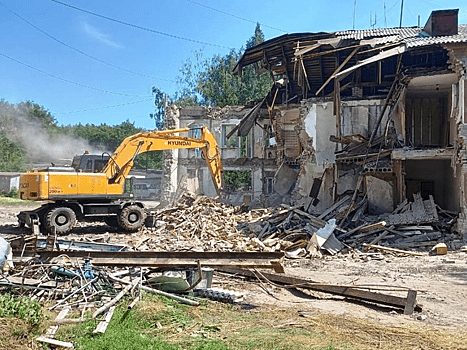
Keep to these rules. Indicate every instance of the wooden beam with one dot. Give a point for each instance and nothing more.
(347, 291)
(56, 342)
(392, 250)
(338, 69)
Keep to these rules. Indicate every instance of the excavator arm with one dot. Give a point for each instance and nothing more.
(121, 162)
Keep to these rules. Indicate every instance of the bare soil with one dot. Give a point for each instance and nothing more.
(441, 281)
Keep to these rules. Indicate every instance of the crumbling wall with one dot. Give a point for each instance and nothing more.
(317, 123)
(254, 154)
(458, 130)
(170, 158)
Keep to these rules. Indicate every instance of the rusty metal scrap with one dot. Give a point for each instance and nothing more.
(270, 260)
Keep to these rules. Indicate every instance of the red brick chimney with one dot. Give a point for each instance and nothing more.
(442, 23)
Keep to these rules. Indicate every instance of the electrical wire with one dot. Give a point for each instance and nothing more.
(69, 81)
(104, 107)
(235, 16)
(140, 27)
(79, 51)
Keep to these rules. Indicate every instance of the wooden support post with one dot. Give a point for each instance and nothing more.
(411, 302)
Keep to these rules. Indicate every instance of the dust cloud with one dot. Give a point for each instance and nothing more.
(40, 147)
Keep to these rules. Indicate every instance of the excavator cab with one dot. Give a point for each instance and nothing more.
(90, 163)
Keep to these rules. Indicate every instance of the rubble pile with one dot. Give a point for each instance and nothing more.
(199, 223)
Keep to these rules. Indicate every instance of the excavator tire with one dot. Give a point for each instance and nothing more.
(62, 218)
(131, 218)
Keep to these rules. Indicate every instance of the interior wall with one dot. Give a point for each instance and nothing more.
(439, 172)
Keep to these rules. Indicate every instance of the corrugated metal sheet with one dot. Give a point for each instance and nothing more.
(412, 37)
(379, 32)
(426, 41)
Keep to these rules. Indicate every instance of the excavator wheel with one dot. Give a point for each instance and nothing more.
(131, 218)
(62, 218)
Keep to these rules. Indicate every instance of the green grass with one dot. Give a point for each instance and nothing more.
(21, 321)
(4, 200)
(21, 307)
(128, 331)
(160, 323)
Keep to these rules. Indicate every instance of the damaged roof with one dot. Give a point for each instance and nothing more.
(306, 63)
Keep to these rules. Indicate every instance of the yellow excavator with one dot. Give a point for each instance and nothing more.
(73, 193)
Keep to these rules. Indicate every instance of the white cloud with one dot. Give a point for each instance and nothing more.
(95, 33)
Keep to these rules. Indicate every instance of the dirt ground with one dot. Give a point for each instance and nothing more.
(441, 281)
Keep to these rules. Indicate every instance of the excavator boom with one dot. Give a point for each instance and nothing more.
(122, 160)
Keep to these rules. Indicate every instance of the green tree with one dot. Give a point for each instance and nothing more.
(210, 81)
(159, 104)
(38, 113)
(110, 137)
(12, 157)
(217, 85)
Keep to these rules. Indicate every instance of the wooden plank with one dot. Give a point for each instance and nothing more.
(155, 291)
(50, 333)
(373, 226)
(314, 220)
(392, 250)
(102, 326)
(133, 303)
(267, 260)
(380, 237)
(115, 300)
(334, 207)
(338, 69)
(347, 291)
(411, 302)
(56, 342)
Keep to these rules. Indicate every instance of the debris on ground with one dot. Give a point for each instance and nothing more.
(183, 246)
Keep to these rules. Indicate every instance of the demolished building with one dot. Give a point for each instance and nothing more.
(373, 114)
(247, 156)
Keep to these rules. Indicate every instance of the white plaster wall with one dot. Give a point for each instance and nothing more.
(347, 181)
(257, 184)
(14, 183)
(320, 124)
(380, 195)
(305, 183)
(207, 185)
(359, 117)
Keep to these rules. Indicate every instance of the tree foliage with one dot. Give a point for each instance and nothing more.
(218, 86)
(110, 137)
(237, 180)
(211, 82)
(28, 118)
(12, 157)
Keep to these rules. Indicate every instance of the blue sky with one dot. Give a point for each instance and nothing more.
(86, 68)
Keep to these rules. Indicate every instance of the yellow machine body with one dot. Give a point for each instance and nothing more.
(41, 185)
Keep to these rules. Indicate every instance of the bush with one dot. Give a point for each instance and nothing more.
(21, 307)
(14, 193)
